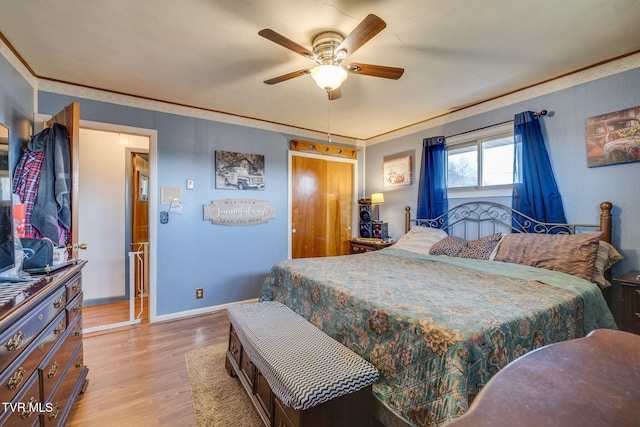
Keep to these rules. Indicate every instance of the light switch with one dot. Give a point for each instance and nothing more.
(189, 184)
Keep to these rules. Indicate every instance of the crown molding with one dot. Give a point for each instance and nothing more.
(76, 91)
(597, 72)
(17, 64)
(554, 85)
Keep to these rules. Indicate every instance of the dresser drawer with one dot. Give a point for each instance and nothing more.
(56, 363)
(235, 347)
(12, 378)
(15, 376)
(630, 308)
(64, 393)
(263, 393)
(25, 408)
(18, 336)
(74, 309)
(280, 417)
(247, 367)
(74, 287)
(50, 337)
(285, 416)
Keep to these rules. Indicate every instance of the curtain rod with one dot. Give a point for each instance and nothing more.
(535, 114)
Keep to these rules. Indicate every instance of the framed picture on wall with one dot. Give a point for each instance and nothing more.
(239, 171)
(397, 172)
(613, 138)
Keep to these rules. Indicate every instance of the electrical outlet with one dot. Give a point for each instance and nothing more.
(199, 293)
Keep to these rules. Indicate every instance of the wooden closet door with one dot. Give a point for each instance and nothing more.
(339, 207)
(322, 194)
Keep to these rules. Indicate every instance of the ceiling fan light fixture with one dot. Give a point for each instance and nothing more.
(329, 77)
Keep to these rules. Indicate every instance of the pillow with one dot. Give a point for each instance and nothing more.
(573, 254)
(606, 256)
(420, 239)
(480, 248)
(449, 246)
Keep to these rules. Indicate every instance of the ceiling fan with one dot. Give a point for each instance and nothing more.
(329, 50)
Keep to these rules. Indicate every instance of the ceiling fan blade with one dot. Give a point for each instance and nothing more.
(334, 94)
(269, 34)
(376, 71)
(287, 76)
(365, 31)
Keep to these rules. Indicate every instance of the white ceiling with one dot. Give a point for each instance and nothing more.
(207, 53)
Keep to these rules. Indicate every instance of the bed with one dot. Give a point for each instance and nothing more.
(438, 327)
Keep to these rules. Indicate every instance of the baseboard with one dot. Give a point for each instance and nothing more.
(104, 300)
(200, 311)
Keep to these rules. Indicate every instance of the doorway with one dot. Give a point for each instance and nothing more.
(114, 186)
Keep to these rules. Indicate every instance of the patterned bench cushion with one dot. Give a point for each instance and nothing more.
(303, 366)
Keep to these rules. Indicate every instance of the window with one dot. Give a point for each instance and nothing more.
(481, 160)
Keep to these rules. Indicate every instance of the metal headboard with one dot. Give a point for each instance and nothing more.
(477, 219)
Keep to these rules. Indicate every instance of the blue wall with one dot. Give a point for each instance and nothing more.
(582, 188)
(16, 107)
(230, 263)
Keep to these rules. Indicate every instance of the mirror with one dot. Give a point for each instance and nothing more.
(7, 259)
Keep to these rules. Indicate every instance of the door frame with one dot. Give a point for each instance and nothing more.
(354, 201)
(152, 134)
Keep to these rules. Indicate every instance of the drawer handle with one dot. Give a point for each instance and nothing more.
(27, 411)
(234, 349)
(77, 307)
(78, 331)
(15, 342)
(60, 301)
(79, 361)
(59, 328)
(75, 286)
(53, 370)
(16, 379)
(54, 412)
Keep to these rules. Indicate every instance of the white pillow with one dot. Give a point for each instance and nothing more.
(420, 239)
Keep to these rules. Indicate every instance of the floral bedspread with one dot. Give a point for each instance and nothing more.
(435, 327)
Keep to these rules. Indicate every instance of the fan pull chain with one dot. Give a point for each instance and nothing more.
(329, 121)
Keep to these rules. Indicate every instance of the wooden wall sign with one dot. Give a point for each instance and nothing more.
(239, 212)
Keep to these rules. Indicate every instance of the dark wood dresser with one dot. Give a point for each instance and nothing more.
(358, 246)
(630, 303)
(41, 358)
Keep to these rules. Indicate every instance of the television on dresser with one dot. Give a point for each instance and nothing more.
(7, 250)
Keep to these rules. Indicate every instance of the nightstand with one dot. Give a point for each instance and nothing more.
(358, 246)
(630, 304)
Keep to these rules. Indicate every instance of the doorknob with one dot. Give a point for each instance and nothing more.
(77, 246)
(293, 230)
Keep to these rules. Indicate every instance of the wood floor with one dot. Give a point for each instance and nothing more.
(138, 375)
(117, 312)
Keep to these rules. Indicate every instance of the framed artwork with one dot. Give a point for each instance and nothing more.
(613, 138)
(397, 172)
(239, 171)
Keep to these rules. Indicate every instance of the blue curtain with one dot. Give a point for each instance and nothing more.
(535, 192)
(432, 190)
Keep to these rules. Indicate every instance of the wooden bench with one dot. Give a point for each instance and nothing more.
(296, 375)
